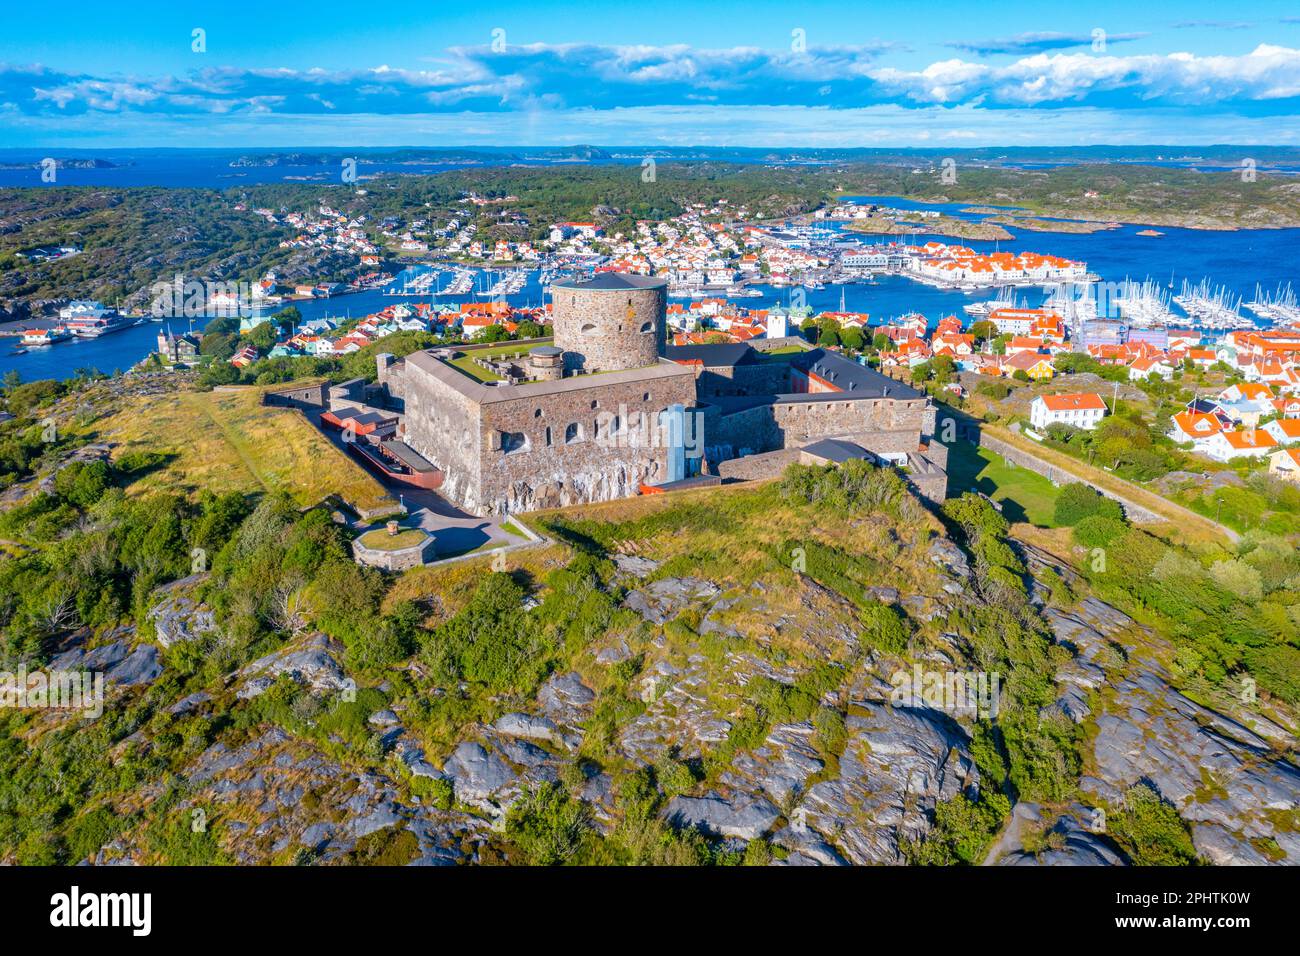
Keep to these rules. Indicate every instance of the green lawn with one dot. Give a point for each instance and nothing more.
(465, 361)
(1024, 495)
(380, 540)
(474, 370)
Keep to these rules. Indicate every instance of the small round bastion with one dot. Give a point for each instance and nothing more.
(393, 549)
(545, 363)
(611, 322)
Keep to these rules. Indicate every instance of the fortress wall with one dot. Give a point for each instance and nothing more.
(802, 422)
(443, 425)
(899, 425)
(761, 378)
(537, 475)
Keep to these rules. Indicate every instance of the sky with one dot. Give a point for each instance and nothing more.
(657, 72)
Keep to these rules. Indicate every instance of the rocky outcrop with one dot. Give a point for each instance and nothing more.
(679, 715)
(276, 794)
(1222, 777)
(1070, 840)
(663, 600)
(117, 661)
(898, 763)
(177, 617)
(314, 664)
(1227, 781)
(742, 817)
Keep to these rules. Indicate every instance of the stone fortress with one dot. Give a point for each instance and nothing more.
(609, 410)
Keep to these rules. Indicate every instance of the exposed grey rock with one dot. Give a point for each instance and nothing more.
(1070, 841)
(534, 728)
(313, 664)
(141, 666)
(1072, 704)
(478, 776)
(1221, 776)
(274, 773)
(634, 565)
(1222, 847)
(944, 553)
(448, 839)
(614, 654)
(598, 793)
(116, 661)
(679, 716)
(189, 703)
(565, 698)
(780, 767)
(383, 718)
(384, 815)
(316, 835)
(896, 766)
(178, 617)
(740, 816)
(806, 848)
(663, 600)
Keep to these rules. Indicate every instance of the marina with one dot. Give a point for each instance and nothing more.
(1245, 262)
(1211, 307)
(1280, 307)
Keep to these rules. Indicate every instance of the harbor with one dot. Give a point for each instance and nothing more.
(1244, 262)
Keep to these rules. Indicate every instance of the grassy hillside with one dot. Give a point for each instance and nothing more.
(228, 441)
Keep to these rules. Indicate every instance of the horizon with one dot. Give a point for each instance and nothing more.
(275, 148)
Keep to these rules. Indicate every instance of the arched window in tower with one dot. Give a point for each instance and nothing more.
(647, 327)
(572, 433)
(588, 328)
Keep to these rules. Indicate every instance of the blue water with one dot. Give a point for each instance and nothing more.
(1238, 260)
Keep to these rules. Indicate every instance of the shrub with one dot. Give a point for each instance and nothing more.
(1078, 501)
(492, 641)
(996, 389)
(831, 735)
(548, 825)
(1277, 669)
(673, 776)
(1239, 579)
(883, 628)
(83, 483)
(1150, 831)
(1098, 531)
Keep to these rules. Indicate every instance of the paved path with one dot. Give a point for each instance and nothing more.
(454, 531)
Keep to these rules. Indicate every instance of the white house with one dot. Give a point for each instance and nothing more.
(1144, 367)
(1081, 409)
(1240, 443)
(1285, 431)
(1194, 427)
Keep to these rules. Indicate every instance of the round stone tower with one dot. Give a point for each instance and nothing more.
(545, 363)
(611, 322)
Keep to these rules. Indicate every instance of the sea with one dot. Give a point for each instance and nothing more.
(1238, 260)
